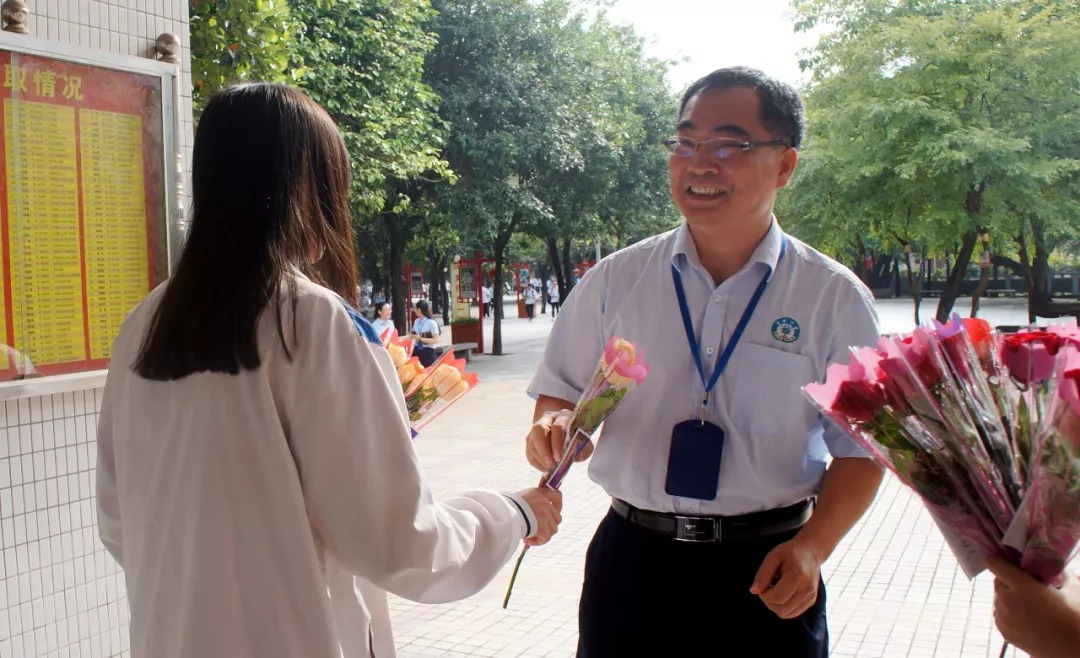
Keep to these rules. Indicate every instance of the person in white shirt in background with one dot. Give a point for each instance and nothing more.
(485, 299)
(425, 334)
(529, 297)
(383, 324)
(553, 297)
(256, 478)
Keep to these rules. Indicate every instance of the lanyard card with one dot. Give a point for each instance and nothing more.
(697, 448)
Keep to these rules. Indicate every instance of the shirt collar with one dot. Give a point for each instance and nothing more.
(767, 252)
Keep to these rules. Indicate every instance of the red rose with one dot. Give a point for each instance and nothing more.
(1052, 342)
(1030, 355)
(859, 400)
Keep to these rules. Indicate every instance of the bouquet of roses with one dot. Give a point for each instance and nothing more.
(428, 391)
(620, 370)
(984, 428)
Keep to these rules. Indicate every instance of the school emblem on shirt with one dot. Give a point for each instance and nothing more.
(785, 330)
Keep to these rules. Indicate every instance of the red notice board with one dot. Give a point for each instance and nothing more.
(87, 194)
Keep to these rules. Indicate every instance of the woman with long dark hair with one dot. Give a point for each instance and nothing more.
(425, 333)
(254, 452)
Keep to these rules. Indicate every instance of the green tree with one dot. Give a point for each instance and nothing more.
(238, 40)
(933, 121)
(556, 127)
(614, 188)
(363, 61)
(494, 69)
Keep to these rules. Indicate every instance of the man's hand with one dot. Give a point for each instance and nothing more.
(787, 581)
(1041, 620)
(544, 445)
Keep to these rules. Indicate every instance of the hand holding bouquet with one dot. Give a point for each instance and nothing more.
(619, 371)
(984, 428)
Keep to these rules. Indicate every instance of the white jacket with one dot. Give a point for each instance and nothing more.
(241, 507)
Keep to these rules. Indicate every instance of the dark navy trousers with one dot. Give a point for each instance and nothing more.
(648, 595)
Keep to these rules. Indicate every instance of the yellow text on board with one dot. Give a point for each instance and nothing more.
(44, 81)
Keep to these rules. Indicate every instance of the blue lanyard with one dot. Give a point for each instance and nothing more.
(695, 347)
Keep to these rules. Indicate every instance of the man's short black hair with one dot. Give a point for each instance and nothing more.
(781, 107)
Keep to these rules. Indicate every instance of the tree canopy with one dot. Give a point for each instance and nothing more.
(932, 122)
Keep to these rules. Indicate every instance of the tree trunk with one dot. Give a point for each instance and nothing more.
(553, 256)
(501, 240)
(864, 272)
(568, 266)
(951, 290)
(980, 290)
(440, 296)
(497, 301)
(1041, 302)
(914, 286)
(397, 271)
(543, 276)
(914, 279)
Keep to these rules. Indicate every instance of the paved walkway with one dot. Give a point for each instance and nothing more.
(894, 588)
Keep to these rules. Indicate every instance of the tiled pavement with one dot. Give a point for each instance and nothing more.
(894, 587)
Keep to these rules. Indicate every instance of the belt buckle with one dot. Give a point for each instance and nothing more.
(696, 530)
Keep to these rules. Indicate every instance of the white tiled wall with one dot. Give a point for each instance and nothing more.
(61, 593)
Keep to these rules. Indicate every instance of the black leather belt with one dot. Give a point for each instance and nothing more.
(717, 528)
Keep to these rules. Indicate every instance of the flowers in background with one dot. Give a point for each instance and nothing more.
(428, 391)
(409, 372)
(400, 349)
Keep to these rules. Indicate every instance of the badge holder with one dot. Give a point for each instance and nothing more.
(697, 450)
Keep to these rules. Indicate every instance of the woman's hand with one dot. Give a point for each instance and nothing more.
(1037, 618)
(546, 505)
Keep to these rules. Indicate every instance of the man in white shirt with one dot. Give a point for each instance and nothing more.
(723, 510)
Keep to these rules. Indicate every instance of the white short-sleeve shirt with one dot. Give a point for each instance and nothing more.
(812, 311)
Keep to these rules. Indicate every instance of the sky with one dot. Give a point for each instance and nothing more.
(710, 34)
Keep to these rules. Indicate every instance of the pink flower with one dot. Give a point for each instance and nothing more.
(917, 350)
(627, 364)
(954, 326)
(1069, 387)
(1069, 333)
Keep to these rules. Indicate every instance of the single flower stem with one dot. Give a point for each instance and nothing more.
(513, 577)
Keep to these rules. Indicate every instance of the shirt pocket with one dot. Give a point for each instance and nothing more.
(766, 392)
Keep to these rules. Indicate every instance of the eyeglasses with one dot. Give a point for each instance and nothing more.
(723, 148)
